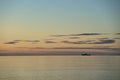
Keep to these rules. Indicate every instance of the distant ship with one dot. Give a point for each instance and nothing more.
(85, 54)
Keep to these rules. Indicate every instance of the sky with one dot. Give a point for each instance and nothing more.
(59, 26)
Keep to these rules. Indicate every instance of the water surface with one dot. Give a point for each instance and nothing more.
(59, 68)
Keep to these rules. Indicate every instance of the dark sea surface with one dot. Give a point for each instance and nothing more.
(59, 67)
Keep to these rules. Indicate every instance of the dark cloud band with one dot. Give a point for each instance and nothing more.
(50, 42)
(17, 41)
(82, 34)
(103, 41)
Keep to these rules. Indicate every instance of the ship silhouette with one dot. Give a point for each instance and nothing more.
(85, 54)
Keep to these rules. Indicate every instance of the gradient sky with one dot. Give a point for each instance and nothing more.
(23, 23)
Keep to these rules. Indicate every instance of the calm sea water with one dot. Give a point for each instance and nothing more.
(60, 68)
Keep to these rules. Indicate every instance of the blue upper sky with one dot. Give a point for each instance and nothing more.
(59, 15)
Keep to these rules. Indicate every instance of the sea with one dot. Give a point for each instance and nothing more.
(59, 67)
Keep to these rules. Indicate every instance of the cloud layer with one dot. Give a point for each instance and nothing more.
(101, 41)
(85, 34)
(50, 41)
(117, 33)
(82, 34)
(73, 39)
(13, 42)
(18, 41)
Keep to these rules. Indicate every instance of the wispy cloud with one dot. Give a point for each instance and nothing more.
(31, 41)
(82, 34)
(31, 47)
(87, 48)
(23, 47)
(13, 42)
(67, 48)
(58, 35)
(50, 41)
(86, 34)
(104, 38)
(74, 37)
(117, 33)
(100, 41)
(73, 48)
(106, 41)
(18, 41)
(116, 38)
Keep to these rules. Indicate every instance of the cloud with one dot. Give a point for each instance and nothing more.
(31, 47)
(74, 37)
(116, 38)
(108, 41)
(102, 38)
(87, 48)
(32, 41)
(82, 34)
(117, 33)
(23, 47)
(18, 41)
(57, 35)
(13, 42)
(77, 42)
(26, 40)
(100, 41)
(101, 47)
(50, 39)
(85, 34)
(37, 48)
(67, 48)
(50, 42)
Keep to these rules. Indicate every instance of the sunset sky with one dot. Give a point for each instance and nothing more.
(53, 26)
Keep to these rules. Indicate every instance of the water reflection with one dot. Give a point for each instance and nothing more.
(59, 68)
